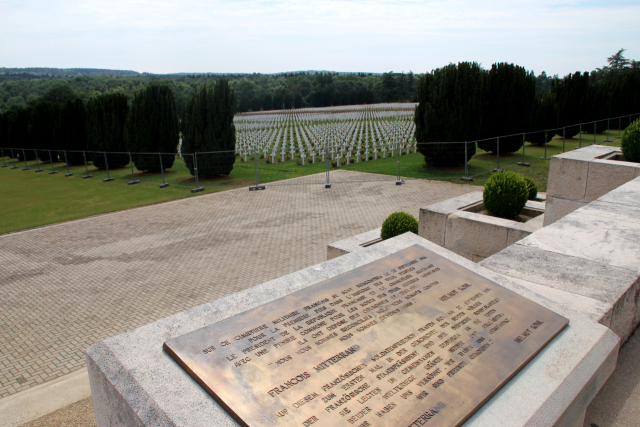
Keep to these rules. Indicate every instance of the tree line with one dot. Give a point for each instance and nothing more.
(464, 102)
(112, 129)
(253, 92)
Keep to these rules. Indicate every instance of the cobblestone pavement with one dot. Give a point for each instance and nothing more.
(67, 286)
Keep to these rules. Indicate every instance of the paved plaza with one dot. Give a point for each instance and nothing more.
(67, 286)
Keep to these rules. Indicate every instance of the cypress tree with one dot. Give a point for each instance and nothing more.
(543, 116)
(625, 97)
(449, 109)
(106, 117)
(4, 133)
(152, 127)
(19, 133)
(572, 100)
(209, 130)
(72, 131)
(509, 92)
(598, 108)
(44, 118)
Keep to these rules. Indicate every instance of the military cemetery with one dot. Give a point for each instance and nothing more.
(455, 247)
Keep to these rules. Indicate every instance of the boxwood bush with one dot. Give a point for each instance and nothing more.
(531, 185)
(398, 223)
(631, 142)
(505, 194)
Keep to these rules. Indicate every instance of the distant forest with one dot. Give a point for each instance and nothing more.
(25, 87)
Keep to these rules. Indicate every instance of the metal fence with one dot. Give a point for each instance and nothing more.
(198, 171)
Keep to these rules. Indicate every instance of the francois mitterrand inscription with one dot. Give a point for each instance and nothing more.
(408, 340)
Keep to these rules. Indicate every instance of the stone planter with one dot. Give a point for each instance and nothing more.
(458, 225)
(581, 176)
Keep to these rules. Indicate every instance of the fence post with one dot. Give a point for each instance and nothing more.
(466, 161)
(37, 161)
(164, 183)
(255, 163)
(594, 132)
(580, 138)
(619, 127)
(86, 169)
(545, 146)
(133, 177)
(13, 156)
(608, 140)
(564, 130)
(523, 163)
(51, 160)
(106, 163)
(195, 170)
(4, 163)
(327, 165)
(26, 168)
(497, 169)
(67, 163)
(398, 179)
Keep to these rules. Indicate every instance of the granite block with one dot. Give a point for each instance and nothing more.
(627, 194)
(616, 288)
(607, 175)
(432, 219)
(590, 237)
(567, 178)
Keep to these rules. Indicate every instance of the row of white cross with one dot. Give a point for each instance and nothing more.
(366, 133)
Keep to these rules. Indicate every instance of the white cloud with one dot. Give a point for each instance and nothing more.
(269, 36)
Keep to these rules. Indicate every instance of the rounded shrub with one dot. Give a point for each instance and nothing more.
(505, 194)
(398, 223)
(631, 142)
(531, 185)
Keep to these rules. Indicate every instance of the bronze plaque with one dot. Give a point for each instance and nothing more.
(408, 339)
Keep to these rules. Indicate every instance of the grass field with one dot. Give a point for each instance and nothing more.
(32, 199)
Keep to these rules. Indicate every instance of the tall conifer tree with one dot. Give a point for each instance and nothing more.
(106, 117)
(209, 129)
(152, 127)
(449, 110)
(508, 98)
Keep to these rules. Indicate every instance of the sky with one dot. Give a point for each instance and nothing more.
(247, 36)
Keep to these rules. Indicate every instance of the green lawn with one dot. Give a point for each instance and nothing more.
(31, 199)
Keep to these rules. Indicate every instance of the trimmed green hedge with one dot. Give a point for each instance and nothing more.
(505, 194)
(398, 223)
